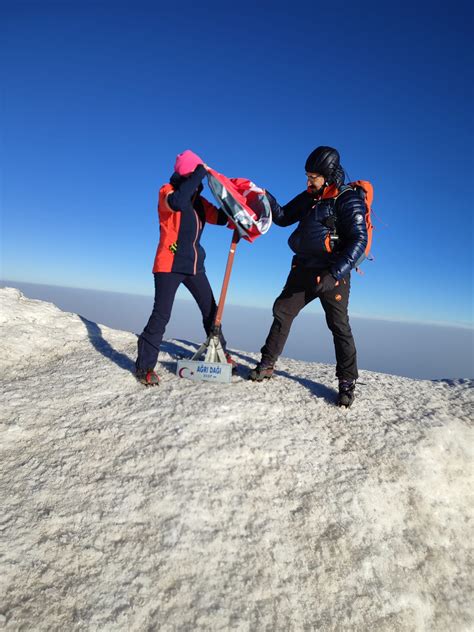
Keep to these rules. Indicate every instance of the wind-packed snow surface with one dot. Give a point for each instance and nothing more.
(196, 506)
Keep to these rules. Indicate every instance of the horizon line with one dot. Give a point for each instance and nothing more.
(356, 315)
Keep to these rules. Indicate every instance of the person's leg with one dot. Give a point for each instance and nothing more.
(335, 304)
(201, 291)
(166, 285)
(297, 293)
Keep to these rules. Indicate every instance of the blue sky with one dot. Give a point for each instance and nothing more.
(100, 97)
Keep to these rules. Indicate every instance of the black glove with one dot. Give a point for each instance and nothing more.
(325, 282)
(273, 203)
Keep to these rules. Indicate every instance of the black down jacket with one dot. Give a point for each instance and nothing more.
(309, 240)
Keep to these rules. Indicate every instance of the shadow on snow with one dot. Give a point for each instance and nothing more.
(177, 352)
(105, 348)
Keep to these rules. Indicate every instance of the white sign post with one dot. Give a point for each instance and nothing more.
(204, 371)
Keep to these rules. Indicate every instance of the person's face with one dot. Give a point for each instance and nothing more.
(315, 181)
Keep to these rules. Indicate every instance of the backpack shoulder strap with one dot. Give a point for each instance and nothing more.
(344, 189)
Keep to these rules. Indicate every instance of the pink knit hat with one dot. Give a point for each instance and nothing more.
(186, 162)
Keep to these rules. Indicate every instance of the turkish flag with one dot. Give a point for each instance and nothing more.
(246, 204)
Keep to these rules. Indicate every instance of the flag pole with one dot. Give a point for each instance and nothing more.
(225, 283)
(212, 348)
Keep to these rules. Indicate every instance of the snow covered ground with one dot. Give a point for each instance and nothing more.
(223, 507)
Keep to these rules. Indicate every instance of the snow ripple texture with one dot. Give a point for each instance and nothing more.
(195, 506)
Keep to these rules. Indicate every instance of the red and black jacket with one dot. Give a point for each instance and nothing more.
(182, 213)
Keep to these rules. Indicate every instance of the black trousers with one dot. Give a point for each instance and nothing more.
(166, 286)
(300, 290)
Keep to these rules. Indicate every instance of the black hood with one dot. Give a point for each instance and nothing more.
(338, 177)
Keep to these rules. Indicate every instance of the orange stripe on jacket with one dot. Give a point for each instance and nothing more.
(169, 228)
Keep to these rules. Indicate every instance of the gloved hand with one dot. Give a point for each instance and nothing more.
(325, 282)
(269, 195)
(271, 199)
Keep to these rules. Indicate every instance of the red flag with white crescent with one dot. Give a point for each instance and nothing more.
(245, 204)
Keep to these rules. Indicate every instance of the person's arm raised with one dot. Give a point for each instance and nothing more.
(182, 196)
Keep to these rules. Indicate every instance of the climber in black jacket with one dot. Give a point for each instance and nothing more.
(330, 238)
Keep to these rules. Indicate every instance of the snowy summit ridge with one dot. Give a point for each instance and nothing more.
(196, 506)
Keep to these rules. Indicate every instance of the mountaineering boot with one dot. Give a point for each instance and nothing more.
(232, 362)
(148, 377)
(260, 373)
(346, 393)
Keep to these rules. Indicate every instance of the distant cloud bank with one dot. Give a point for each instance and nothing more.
(416, 350)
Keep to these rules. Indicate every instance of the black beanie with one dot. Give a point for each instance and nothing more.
(323, 160)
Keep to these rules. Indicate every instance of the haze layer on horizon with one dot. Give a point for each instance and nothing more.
(416, 350)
